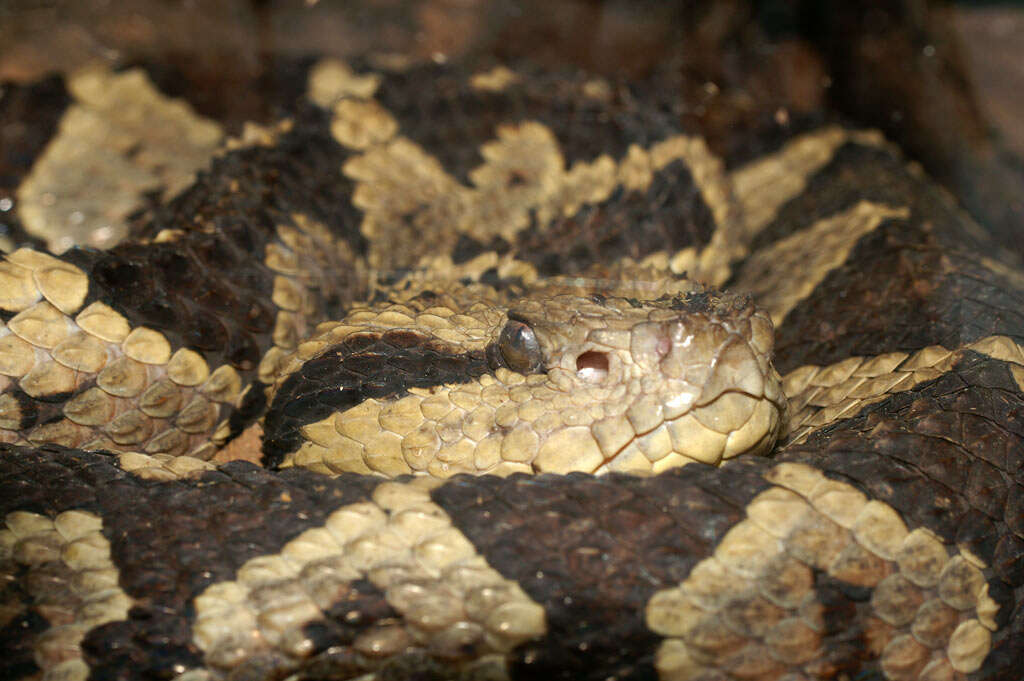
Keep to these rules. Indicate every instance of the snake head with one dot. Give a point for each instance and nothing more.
(643, 386)
(553, 383)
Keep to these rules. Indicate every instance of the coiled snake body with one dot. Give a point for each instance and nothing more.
(502, 459)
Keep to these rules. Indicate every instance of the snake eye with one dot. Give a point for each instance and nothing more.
(519, 347)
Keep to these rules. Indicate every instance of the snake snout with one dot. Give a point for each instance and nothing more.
(709, 391)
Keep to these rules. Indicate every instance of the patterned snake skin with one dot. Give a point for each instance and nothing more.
(528, 447)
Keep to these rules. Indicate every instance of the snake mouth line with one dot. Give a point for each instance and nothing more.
(696, 436)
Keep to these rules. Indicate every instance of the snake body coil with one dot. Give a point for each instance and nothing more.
(502, 431)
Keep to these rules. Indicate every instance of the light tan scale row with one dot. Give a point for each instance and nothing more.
(819, 395)
(449, 599)
(133, 390)
(75, 586)
(751, 611)
(163, 467)
(51, 347)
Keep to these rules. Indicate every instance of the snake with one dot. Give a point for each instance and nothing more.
(484, 371)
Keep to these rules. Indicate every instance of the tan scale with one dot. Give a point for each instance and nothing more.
(18, 289)
(448, 597)
(753, 602)
(163, 467)
(102, 321)
(135, 391)
(493, 80)
(763, 186)
(10, 419)
(675, 388)
(119, 139)
(820, 395)
(17, 357)
(42, 325)
(783, 274)
(49, 378)
(332, 79)
(78, 586)
(62, 284)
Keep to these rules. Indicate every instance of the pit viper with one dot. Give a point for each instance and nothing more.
(492, 372)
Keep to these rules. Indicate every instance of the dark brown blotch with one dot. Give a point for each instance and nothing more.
(363, 366)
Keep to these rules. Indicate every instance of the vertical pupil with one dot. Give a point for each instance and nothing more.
(518, 346)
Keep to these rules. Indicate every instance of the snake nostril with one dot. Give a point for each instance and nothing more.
(592, 366)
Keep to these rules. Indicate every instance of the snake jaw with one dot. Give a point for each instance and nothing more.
(720, 396)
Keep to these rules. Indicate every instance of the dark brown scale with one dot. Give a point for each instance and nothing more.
(978, 531)
(737, 129)
(207, 332)
(29, 116)
(844, 640)
(208, 289)
(360, 606)
(608, 544)
(17, 637)
(899, 290)
(170, 540)
(233, 91)
(907, 452)
(586, 127)
(364, 366)
(865, 173)
(668, 216)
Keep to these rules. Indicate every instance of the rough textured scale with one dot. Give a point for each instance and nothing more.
(428, 270)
